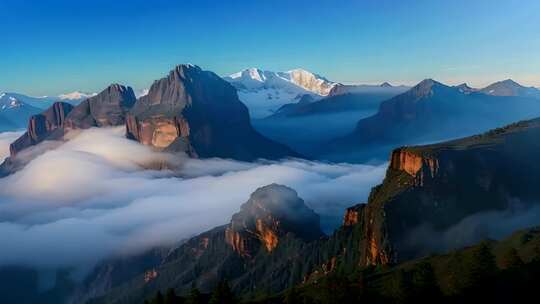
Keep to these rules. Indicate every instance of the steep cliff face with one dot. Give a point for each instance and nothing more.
(42, 126)
(430, 190)
(106, 109)
(196, 111)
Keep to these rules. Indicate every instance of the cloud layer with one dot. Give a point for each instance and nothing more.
(97, 195)
(7, 138)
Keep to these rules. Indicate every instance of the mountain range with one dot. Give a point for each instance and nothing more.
(264, 92)
(190, 111)
(434, 198)
(432, 111)
(16, 109)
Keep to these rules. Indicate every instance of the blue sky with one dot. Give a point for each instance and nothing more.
(55, 46)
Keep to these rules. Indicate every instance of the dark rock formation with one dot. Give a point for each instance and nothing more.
(271, 213)
(108, 108)
(430, 190)
(42, 126)
(196, 111)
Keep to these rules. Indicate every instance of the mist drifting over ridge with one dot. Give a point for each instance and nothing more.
(96, 196)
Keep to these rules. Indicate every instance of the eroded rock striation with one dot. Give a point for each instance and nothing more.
(197, 112)
(106, 109)
(42, 126)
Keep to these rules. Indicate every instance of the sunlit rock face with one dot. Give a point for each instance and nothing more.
(196, 111)
(432, 191)
(271, 212)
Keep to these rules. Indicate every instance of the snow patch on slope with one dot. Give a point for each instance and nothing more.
(264, 92)
(76, 95)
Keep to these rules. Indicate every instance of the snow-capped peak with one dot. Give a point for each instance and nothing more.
(249, 74)
(265, 91)
(141, 93)
(10, 102)
(75, 95)
(310, 81)
(298, 79)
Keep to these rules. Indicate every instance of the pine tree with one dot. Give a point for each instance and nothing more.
(170, 297)
(159, 298)
(222, 294)
(195, 296)
(424, 282)
(511, 260)
(292, 296)
(398, 287)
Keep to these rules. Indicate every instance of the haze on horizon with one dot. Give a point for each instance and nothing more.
(56, 46)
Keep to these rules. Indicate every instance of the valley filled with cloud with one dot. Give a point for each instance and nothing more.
(100, 195)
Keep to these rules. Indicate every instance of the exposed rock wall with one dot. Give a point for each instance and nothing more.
(41, 126)
(197, 112)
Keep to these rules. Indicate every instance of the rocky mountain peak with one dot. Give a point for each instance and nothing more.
(270, 213)
(385, 85)
(108, 108)
(509, 87)
(425, 88)
(41, 126)
(197, 112)
(465, 88)
(185, 70)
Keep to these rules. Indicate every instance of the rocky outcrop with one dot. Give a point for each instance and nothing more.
(196, 111)
(415, 165)
(271, 213)
(429, 190)
(42, 126)
(352, 216)
(105, 109)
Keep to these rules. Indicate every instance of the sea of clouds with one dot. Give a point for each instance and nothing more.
(7, 138)
(100, 195)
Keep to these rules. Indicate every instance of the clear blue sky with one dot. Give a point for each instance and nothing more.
(54, 46)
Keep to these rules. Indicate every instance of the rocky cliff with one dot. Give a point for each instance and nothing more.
(196, 111)
(106, 109)
(271, 213)
(431, 191)
(41, 126)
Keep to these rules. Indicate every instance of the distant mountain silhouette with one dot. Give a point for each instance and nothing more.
(433, 111)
